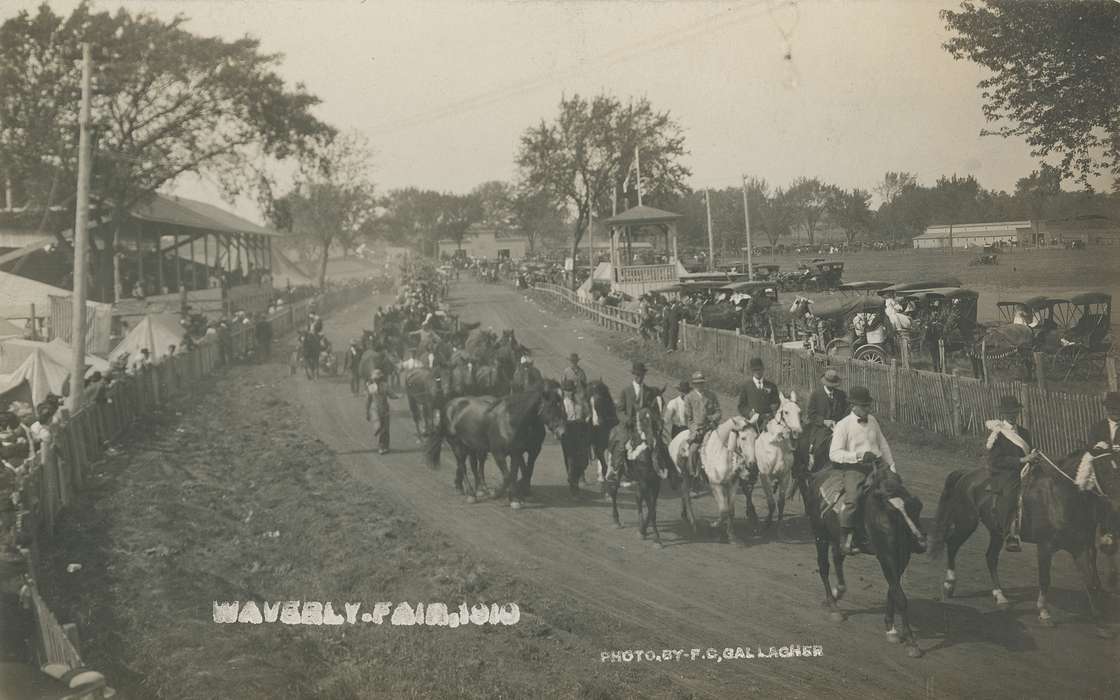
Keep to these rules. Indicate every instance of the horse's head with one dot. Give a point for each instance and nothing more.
(788, 417)
(1106, 470)
(550, 408)
(745, 435)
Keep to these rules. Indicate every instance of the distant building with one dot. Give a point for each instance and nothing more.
(486, 242)
(970, 235)
(1089, 230)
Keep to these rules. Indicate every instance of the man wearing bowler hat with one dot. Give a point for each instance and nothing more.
(857, 444)
(759, 395)
(1106, 434)
(1009, 450)
(828, 405)
(574, 372)
(636, 395)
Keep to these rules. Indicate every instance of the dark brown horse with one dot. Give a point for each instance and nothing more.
(639, 454)
(889, 517)
(604, 417)
(1057, 515)
(426, 392)
(511, 429)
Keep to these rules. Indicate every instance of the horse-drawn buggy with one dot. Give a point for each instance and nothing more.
(1084, 347)
(988, 256)
(816, 275)
(856, 328)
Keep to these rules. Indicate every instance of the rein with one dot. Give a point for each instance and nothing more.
(1096, 490)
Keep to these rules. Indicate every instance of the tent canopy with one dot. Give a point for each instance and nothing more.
(14, 351)
(155, 332)
(42, 374)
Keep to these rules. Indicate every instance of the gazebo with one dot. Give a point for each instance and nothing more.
(635, 273)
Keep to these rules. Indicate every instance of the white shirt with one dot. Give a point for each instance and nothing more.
(638, 392)
(851, 439)
(1112, 430)
(674, 412)
(759, 383)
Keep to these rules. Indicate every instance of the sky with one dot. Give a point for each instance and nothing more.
(444, 89)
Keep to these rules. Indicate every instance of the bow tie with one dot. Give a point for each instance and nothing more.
(861, 420)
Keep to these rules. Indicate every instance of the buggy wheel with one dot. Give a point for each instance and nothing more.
(871, 353)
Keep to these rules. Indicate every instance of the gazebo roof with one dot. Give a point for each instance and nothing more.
(639, 215)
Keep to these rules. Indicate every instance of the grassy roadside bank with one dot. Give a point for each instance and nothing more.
(234, 499)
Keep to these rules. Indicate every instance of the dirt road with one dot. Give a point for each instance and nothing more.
(701, 594)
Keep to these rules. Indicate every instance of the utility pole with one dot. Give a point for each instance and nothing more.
(747, 221)
(81, 245)
(711, 240)
(638, 170)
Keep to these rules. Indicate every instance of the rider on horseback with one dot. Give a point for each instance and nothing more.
(1010, 458)
(574, 372)
(702, 413)
(828, 405)
(857, 444)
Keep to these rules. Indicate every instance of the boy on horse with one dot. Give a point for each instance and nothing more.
(1105, 435)
(828, 405)
(1009, 459)
(857, 445)
(702, 412)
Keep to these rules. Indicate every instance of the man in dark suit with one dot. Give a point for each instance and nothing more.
(827, 405)
(636, 395)
(1009, 450)
(759, 395)
(1106, 434)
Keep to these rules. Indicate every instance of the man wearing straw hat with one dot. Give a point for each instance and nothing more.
(574, 372)
(857, 444)
(828, 405)
(1009, 458)
(702, 413)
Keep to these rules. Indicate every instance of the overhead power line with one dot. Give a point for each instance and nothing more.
(621, 54)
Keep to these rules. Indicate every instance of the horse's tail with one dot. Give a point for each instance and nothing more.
(941, 520)
(434, 444)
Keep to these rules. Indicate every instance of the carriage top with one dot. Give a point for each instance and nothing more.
(864, 287)
(921, 286)
(751, 287)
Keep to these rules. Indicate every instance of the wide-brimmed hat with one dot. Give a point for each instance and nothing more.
(698, 378)
(684, 387)
(638, 368)
(860, 396)
(830, 378)
(1112, 400)
(1009, 404)
(574, 357)
(756, 363)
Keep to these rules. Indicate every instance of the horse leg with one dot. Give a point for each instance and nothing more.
(612, 491)
(1087, 565)
(955, 536)
(838, 563)
(1045, 556)
(686, 500)
(527, 471)
(823, 543)
(639, 498)
(500, 460)
(651, 496)
(995, 545)
(768, 491)
(782, 486)
(897, 602)
(747, 487)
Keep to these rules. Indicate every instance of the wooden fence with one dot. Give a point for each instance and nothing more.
(947, 404)
(64, 461)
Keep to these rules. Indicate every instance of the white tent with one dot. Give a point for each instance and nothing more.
(154, 332)
(42, 374)
(13, 351)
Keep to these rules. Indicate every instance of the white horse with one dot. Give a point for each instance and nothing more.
(725, 454)
(773, 452)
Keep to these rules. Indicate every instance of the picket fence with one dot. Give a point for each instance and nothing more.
(64, 462)
(946, 404)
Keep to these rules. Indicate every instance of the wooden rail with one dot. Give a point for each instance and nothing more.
(947, 404)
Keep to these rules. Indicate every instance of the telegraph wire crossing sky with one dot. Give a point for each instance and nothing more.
(843, 90)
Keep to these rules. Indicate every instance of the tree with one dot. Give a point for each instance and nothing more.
(850, 210)
(332, 200)
(773, 214)
(495, 200)
(588, 150)
(409, 216)
(808, 198)
(894, 184)
(455, 215)
(166, 103)
(1055, 75)
(537, 217)
(1038, 188)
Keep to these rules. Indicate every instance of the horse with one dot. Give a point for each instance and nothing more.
(309, 353)
(643, 457)
(510, 428)
(604, 418)
(889, 516)
(725, 454)
(774, 454)
(424, 387)
(1057, 515)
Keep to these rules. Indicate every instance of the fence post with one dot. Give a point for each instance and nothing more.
(904, 347)
(892, 387)
(1039, 372)
(955, 397)
(941, 354)
(1110, 369)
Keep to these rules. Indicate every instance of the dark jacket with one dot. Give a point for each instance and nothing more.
(822, 408)
(1099, 433)
(1005, 455)
(764, 401)
(629, 406)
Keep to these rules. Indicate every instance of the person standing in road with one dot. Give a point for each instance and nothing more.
(377, 410)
